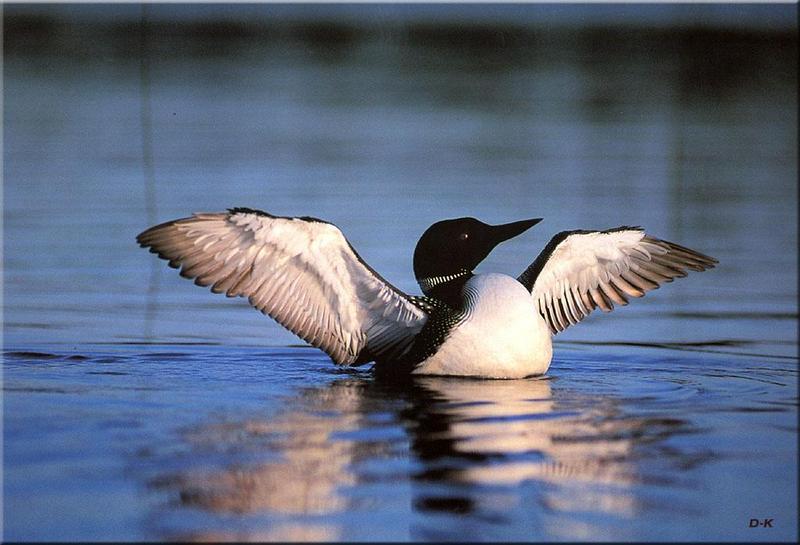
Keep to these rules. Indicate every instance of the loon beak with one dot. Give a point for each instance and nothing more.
(506, 231)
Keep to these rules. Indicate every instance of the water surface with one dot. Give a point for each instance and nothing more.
(138, 406)
(198, 443)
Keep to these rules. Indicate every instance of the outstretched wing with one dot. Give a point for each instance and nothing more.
(301, 271)
(581, 270)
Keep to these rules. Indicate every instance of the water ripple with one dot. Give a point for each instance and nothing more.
(280, 434)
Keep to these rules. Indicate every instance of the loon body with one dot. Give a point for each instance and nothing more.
(502, 335)
(304, 273)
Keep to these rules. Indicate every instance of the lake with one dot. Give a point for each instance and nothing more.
(137, 406)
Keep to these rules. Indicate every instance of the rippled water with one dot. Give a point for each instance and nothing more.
(197, 443)
(138, 406)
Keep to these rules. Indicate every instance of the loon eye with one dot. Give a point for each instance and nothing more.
(463, 236)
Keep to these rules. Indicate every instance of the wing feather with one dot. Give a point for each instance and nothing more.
(300, 271)
(579, 271)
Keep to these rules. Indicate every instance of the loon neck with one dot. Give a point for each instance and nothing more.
(430, 283)
(446, 288)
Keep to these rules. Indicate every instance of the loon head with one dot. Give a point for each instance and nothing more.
(451, 249)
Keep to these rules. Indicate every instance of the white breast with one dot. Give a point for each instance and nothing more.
(503, 336)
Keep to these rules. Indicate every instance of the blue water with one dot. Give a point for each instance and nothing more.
(138, 406)
(198, 443)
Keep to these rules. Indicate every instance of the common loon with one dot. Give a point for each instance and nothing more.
(304, 273)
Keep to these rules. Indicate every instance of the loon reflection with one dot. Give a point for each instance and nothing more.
(460, 434)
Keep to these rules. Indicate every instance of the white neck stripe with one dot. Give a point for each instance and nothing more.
(429, 283)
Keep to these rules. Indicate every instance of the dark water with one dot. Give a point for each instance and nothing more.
(138, 406)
